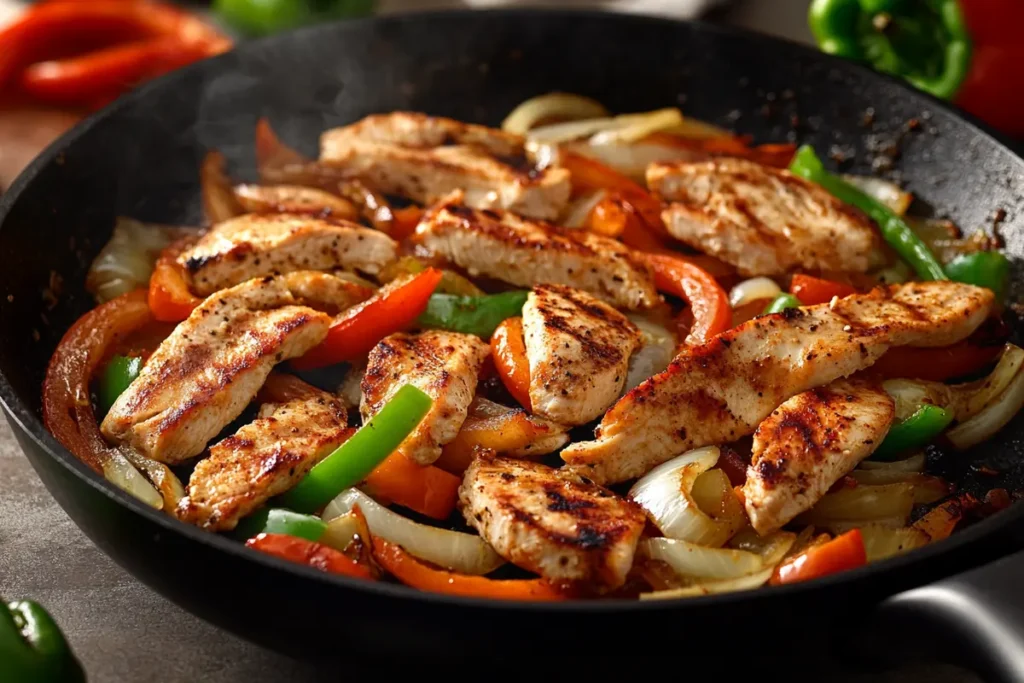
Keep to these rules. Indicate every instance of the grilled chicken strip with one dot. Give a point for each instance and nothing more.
(294, 199)
(205, 373)
(444, 365)
(505, 246)
(325, 292)
(254, 245)
(721, 390)
(551, 522)
(424, 158)
(264, 459)
(578, 348)
(764, 221)
(808, 444)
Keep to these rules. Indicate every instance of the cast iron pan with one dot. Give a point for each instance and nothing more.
(140, 158)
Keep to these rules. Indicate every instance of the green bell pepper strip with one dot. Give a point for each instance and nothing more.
(280, 521)
(260, 17)
(982, 268)
(120, 372)
(781, 303)
(479, 315)
(32, 647)
(925, 42)
(894, 229)
(916, 431)
(356, 458)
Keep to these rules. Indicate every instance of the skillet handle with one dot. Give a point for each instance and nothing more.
(975, 618)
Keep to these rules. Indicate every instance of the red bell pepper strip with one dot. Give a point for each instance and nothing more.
(936, 364)
(360, 328)
(428, 490)
(590, 175)
(838, 555)
(312, 554)
(404, 222)
(508, 349)
(416, 574)
(169, 296)
(67, 409)
(708, 301)
(812, 290)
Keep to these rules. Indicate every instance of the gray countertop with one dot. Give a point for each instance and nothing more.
(123, 631)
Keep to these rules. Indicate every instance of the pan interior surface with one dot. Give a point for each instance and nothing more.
(140, 158)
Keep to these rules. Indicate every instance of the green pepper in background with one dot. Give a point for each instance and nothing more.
(916, 431)
(261, 17)
(356, 458)
(894, 229)
(120, 372)
(32, 647)
(982, 268)
(293, 524)
(781, 303)
(479, 315)
(925, 41)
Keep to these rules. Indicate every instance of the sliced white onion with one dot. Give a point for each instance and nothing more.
(556, 105)
(977, 395)
(914, 463)
(658, 350)
(633, 159)
(126, 261)
(635, 127)
(342, 531)
(743, 583)
(579, 209)
(911, 394)
(160, 476)
(752, 290)
(888, 193)
(664, 493)
(863, 503)
(997, 415)
(452, 550)
(771, 548)
(557, 133)
(121, 473)
(841, 526)
(875, 477)
(695, 129)
(700, 562)
(543, 155)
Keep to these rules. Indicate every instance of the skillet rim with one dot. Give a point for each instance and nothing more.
(30, 424)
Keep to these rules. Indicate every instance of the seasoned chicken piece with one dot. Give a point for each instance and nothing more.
(294, 199)
(444, 365)
(524, 253)
(206, 372)
(325, 292)
(763, 220)
(263, 244)
(424, 158)
(578, 348)
(721, 390)
(808, 444)
(264, 459)
(551, 522)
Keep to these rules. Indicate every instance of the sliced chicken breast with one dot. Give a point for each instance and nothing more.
(722, 390)
(808, 444)
(524, 253)
(551, 522)
(763, 220)
(294, 199)
(208, 370)
(444, 365)
(254, 245)
(578, 348)
(324, 291)
(424, 158)
(264, 459)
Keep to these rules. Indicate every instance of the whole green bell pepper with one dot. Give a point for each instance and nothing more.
(32, 647)
(479, 315)
(924, 41)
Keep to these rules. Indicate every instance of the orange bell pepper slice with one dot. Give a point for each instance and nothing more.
(812, 290)
(427, 490)
(404, 222)
(709, 303)
(500, 433)
(416, 574)
(508, 348)
(590, 175)
(169, 295)
(360, 328)
(838, 555)
(309, 553)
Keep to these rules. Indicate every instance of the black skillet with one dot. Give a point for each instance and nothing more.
(139, 158)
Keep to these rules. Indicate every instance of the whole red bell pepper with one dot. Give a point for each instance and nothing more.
(967, 51)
